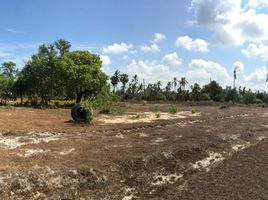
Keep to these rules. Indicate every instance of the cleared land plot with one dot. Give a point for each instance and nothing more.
(177, 156)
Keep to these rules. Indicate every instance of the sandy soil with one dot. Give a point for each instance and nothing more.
(204, 154)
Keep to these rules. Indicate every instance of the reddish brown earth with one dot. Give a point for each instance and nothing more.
(213, 154)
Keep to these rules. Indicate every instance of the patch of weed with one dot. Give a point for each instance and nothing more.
(173, 109)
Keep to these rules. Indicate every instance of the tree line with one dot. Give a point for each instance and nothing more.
(57, 73)
(175, 90)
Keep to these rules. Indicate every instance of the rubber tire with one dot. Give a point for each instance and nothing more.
(77, 113)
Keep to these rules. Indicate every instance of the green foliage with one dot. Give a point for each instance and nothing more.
(144, 103)
(224, 107)
(83, 69)
(214, 90)
(157, 115)
(196, 92)
(137, 116)
(193, 111)
(231, 94)
(104, 102)
(249, 98)
(173, 109)
(156, 108)
(89, 113)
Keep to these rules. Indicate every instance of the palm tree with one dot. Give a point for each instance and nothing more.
(234, 78)
(175, 83)
(168, 87)
(117, 78)
(113, 82)
(159, 85)
(183, 82)
(124, 80)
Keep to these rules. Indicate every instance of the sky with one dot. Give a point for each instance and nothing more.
(201, 40)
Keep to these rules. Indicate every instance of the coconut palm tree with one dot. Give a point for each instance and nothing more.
(124, 80)
(113, 82)
(175, 82)
(168, 87)
(183, 82)
(234, 78)
(117, 78)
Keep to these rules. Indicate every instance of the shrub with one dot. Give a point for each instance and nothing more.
(137, 116)
(157, 115)
(88, 111)
(193, 111)
(173, 109)
(144, 103)
(156, 108)
(224, 107)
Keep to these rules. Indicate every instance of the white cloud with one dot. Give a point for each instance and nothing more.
(158, 37)
(151, 71)
(105, 60)
(125, 57)
(258, 51)
(238, 66)
(192, 44)
(257, 3)
(232, 24)
(172, 60)
(151, 48)
(202, 71)
(258, 76)
(117, 48)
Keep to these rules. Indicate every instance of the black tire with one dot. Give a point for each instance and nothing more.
(78, 113)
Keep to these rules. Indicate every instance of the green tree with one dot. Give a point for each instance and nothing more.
(41, 75)
(82, 74)
(9, 68)
(62, 46)
(214, 90)
(196, 92)
(231, 94)
(183, 82)
(124, 80)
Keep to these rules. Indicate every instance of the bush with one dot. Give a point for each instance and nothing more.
(88, 111)
(104, 103)
(224, 107)
(259, 101)
(144, 103)
(157, 115)
(173, 109)
(193, 111)
(249, 98)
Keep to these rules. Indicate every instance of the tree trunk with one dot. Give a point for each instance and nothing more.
(79, 97)
(21, 99)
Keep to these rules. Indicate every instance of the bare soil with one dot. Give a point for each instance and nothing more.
(201, 152)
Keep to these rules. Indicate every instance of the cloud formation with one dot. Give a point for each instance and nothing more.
(117, 48)
(172, 60)
(232, 23)
(190, 44)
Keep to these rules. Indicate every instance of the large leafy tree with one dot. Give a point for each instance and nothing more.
(40, 74)
(214, 90)
(196, 92)
(82, 74)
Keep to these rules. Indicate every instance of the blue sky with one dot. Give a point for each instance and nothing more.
(156, 39)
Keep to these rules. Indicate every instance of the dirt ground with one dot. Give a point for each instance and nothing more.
(201, 152)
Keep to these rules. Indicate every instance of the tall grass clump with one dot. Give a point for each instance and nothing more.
(172, 109)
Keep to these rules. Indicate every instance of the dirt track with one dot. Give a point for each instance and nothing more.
(219, 154)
